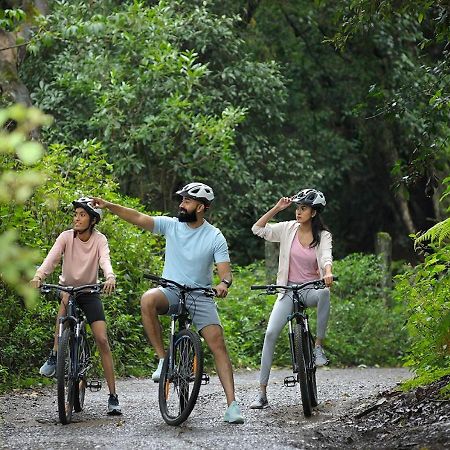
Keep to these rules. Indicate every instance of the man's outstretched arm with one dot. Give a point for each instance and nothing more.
(130, 215)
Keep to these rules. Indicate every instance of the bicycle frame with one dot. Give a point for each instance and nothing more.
(300, 317)
(75, 321)
(184, 322)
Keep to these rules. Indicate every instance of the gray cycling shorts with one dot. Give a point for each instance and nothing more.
(202, 309)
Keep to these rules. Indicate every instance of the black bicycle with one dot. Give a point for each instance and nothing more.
(301, 342)
(74, 353)
(182, 371)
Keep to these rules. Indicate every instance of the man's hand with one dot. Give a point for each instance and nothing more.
(222, 290)
(36, 282)
(109, 285)
(99, 202)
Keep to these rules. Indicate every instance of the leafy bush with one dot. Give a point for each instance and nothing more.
(426, 291)
(363, 329)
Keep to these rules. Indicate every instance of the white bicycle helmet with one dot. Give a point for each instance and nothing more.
(310, 197)
(87, 204)
(198, 191)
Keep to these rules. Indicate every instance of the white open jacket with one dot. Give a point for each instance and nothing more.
(284, 233)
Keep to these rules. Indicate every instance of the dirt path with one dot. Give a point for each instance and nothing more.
(29, 418)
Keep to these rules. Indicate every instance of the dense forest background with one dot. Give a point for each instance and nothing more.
(257, 98)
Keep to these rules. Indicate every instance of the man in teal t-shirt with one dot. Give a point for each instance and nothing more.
(193, 246)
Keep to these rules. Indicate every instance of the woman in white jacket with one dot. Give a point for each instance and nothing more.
(305, 255)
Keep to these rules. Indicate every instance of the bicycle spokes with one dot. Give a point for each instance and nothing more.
(179, 384)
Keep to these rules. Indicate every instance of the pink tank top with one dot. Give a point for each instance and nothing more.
(302, 263)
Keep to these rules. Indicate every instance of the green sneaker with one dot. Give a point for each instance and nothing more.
(233, 414)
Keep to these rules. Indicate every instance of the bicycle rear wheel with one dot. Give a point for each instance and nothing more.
(179, 388)
(302, 370)
(310, 368)
(65, 376)
(83, 363)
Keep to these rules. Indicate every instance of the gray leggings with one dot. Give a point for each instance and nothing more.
(278, 319)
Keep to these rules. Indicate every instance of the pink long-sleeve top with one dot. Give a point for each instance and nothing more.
(81, 260)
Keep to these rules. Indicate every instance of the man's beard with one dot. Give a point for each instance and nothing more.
(184, 216)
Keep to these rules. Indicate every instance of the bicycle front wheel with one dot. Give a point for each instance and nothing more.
(311, 370)
(302, 369)
(65, 376)
(83, 363)
(179, 386)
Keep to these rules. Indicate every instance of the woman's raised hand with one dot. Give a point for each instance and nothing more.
(283, 203)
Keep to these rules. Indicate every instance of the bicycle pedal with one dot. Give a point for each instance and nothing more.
(94, 385)
(290, 381)
(205, 378)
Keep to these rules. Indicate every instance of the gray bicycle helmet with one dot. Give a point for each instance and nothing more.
(310, 197)
(87, 204)
(198, 191)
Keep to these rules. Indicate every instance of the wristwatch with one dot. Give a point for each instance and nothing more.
(227, 282)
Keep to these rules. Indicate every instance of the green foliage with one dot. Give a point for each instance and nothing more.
(439, 233)
(424, 114)
(363, 330)
(17, 182)
(11, 18)
(174, 95)
(426, 291)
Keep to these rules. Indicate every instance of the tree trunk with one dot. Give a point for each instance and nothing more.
(389, 150)
(11, 87)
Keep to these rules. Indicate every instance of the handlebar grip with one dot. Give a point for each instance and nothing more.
(256, 286)
(149, 276)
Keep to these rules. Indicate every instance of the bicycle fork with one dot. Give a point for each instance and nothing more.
(171, 363)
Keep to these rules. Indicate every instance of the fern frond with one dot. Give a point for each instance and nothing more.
(439, 232)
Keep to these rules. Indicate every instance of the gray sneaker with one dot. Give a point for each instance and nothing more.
(49, 367)
(113, 405)
(319, 356)
(260, 402)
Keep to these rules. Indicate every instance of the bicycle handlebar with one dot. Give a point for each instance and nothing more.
(164, 282)
(318, 284)
(90, 288)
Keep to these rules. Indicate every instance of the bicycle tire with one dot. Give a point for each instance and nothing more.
(83, 361)
(302, 377)
(64, 376)
(311, 368)
(178, 391)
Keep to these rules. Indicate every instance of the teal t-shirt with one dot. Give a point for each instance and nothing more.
(191, 252)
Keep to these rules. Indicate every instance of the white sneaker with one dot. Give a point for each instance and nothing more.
(260, 402)
(319, 356)
(157, 373)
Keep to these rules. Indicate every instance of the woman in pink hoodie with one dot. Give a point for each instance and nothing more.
(83, 250)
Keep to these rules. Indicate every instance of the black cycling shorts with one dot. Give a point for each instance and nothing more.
(92, 307)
